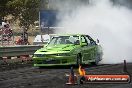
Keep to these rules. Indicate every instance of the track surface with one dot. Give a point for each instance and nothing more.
(33, 77)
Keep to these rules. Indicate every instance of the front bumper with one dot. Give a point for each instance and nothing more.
(54, 60)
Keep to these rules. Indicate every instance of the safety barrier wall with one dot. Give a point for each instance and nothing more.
(18, 50)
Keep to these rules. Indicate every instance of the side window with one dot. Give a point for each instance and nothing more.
(83, 39)
(90, 40)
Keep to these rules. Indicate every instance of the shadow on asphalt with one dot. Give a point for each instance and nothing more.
(66, 66)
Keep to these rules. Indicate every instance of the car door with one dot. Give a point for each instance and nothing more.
(88, 49)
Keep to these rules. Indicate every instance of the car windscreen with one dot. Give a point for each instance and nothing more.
(65, 40)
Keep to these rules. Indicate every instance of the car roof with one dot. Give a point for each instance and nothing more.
(67, 34)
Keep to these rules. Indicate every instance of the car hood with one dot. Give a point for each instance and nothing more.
(57, 48)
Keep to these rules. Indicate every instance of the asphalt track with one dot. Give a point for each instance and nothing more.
(27, 76)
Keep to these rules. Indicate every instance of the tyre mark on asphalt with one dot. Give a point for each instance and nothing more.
(39, 76)
(32, 76)
(108, 69)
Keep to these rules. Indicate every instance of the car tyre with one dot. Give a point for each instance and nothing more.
(96, 60)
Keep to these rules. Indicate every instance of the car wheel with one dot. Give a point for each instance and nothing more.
(96, 60)
(79, 59)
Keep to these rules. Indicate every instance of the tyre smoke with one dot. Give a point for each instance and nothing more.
(102, 20)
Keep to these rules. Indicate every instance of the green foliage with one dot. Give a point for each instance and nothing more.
(3, 9)
(27, 11)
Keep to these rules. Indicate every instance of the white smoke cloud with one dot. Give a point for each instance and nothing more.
(112, 25)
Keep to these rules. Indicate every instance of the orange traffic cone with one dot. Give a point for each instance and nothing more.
(72, 78)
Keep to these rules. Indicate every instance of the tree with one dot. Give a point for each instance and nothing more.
(3, 9)
(26, 11)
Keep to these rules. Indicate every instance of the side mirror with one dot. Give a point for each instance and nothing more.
(97, 40)
(84, 44)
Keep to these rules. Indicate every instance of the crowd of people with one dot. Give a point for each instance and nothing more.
(6, 31)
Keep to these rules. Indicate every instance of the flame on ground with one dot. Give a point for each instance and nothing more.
(81, 71)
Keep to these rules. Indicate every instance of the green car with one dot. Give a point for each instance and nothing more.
(67, 50)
